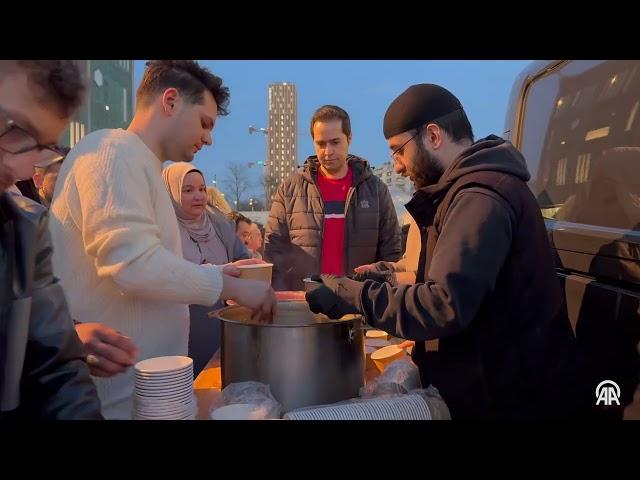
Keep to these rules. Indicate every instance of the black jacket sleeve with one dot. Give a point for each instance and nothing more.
(56, 383)
(473, 244)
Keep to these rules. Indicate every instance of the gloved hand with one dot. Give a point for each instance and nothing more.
(387, 276)
(336, 297)
(380, 266)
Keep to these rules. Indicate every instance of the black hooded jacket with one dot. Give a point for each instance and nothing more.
(487, 291)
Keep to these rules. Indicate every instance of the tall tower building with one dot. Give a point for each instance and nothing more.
(282, 158)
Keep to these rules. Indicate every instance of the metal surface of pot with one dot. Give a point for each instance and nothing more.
(306, 359)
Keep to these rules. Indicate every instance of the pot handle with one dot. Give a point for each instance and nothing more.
(355, 329)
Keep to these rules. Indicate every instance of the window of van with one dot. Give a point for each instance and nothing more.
(581, 137)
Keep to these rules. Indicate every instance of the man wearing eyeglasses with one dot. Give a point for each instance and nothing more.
(333, 216)
(42, 372)
(486, 285)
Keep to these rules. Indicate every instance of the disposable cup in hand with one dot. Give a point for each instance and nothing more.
(258, 271)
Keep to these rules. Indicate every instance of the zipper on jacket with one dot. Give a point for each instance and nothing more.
(315, 184)
(345, 244)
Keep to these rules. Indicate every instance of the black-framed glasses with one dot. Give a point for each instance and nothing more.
(399, 149)
(15, 140)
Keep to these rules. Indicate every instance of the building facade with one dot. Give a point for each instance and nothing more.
(282, 157)
(391, 179)
(110, 101)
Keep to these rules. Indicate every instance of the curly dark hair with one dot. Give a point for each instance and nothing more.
(188, 77)
(59, 82)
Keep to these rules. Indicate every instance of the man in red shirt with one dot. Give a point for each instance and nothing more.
(334, 215)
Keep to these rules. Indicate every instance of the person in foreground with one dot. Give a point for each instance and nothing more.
(42, 370)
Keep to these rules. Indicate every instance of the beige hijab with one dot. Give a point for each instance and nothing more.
(200, 228)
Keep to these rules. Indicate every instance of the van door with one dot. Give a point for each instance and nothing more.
(580, 133)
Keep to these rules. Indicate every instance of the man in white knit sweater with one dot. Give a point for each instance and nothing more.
(117, 243)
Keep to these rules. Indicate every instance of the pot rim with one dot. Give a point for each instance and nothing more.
(218, 314)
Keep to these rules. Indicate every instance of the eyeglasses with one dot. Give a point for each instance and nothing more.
(399, 149)
(15, 140)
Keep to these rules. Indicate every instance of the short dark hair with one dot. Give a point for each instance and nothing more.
(332, 112)
(237, 217)
(188, 77)
(455, 124)
(59, 82)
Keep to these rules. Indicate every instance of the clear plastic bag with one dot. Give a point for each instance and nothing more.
(256, 394)
(399, 377)
(402, 377)
(437, 406)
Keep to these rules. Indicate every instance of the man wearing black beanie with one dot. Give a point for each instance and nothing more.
(487, 288)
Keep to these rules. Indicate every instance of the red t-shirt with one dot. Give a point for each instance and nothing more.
(334, 194)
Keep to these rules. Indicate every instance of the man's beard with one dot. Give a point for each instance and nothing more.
(427, 168)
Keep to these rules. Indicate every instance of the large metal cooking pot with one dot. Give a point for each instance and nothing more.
(306, 359)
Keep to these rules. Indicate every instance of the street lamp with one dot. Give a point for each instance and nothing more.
(265, 131)
(253, 129)
(251, 203)
(266, 173)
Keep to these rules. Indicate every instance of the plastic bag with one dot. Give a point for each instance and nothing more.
(399, 377)
(437, 406)
(257, 394)
(402, 377)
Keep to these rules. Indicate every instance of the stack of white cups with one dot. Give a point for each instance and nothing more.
(164, 389)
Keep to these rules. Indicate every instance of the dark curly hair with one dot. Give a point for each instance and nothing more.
(188, 77)
(59, 82)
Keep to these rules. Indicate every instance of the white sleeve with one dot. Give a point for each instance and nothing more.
(111, 203)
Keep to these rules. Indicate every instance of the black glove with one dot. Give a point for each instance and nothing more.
(336, 297)
(387, 276)
(383, 266)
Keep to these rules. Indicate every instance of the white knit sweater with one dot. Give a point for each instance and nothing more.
(118, 254)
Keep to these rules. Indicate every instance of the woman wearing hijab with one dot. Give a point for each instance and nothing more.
(208, 236)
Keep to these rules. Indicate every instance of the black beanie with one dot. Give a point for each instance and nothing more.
(418, 104)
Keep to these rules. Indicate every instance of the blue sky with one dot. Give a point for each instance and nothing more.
(362, 88)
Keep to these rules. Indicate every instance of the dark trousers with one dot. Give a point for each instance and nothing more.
(204, 336)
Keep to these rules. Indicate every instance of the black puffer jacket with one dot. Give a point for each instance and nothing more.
(294, 232)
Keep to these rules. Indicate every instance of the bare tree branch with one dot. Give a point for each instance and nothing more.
(269, 186)
(236, 183)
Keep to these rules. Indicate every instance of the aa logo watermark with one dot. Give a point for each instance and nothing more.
(608, 392)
